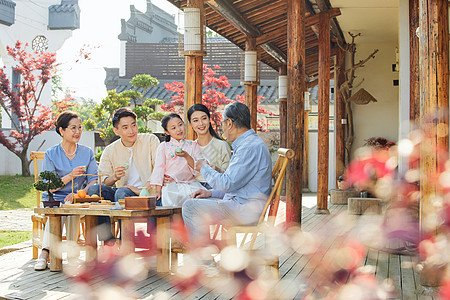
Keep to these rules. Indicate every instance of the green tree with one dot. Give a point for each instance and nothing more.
(85, 108)
(144, 108)
(104, 112)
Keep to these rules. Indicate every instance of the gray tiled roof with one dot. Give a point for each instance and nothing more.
(269, 92)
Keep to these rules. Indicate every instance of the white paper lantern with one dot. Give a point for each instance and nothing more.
(250, 71)
(307, 101)
(192, 29)
(282, 87)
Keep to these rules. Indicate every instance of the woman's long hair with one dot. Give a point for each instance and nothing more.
(201, 107)
(166, 120)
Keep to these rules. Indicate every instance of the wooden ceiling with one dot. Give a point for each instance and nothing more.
(266, 21)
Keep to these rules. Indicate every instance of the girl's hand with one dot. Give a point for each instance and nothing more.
(78, 171)
(182, 153)
(69, 198)
(157, 192)
(167, 179)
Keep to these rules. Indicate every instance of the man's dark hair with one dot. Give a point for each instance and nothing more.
(63, 119)
(238, 113)
(122, 113)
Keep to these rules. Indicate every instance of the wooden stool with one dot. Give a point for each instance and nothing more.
(359, 206)
(341, 196)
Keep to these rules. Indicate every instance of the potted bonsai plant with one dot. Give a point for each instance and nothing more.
(48, 181)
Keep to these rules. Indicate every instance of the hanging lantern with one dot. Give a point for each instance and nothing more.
(191, 38)
(250, 71)
(282, 87)
(307, 99)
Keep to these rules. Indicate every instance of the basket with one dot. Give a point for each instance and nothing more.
(88, 199)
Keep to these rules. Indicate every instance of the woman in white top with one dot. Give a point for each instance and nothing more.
(214, 149)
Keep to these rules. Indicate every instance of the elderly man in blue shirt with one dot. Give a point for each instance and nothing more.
(238, 195)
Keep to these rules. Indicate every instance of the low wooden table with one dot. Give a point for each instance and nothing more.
(163, 217)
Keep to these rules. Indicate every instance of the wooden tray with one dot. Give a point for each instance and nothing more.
(76, 205)
(140, 203)
(86, 199)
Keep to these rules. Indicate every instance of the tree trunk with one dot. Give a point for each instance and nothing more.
(25, 163)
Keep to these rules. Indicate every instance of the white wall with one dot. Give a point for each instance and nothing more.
(312, 162)
(10, 164)
(377, 119)
(31, 19)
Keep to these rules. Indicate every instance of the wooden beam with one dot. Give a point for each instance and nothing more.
(324, 5)
(233, 16)
(296, 80)
(323, 114)
(339, 106)
(283, 112)
(312, 20)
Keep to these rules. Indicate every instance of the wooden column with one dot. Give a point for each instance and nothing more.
(442, 70)
(339, 105)
(296, 81)
(193, 87)
(251, 89)
(414, 96)
(434, 85)
(324, 115)
(193, 77)
(283, 112)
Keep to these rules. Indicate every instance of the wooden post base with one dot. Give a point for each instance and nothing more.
(322, 212)
(341, 196)
(359, 206)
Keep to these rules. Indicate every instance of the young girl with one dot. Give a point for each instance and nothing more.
(176, 158)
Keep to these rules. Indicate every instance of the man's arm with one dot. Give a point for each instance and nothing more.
(243, 167)
(106, 168)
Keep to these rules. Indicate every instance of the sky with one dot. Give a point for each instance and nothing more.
(99, 28)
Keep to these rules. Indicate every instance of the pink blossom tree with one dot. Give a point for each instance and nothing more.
(29, 117)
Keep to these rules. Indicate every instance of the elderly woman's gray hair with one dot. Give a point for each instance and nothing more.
(238, 113)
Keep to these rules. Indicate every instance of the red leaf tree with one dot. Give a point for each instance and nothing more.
(211, 98)
(21, 102)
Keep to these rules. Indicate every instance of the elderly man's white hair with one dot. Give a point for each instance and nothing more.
(238, 113)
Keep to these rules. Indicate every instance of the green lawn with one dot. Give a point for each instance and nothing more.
(17, 192)
(13, 237)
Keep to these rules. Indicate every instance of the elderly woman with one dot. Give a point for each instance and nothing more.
(67, 159)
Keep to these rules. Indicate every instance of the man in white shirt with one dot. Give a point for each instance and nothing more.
(126, 164)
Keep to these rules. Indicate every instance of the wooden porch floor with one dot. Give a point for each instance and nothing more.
(18, 280)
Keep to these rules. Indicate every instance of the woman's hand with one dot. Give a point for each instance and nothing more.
(167, 179)
(78, 171)
(69, 198)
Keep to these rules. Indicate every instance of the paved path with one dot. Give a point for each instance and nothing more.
(16, 220)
